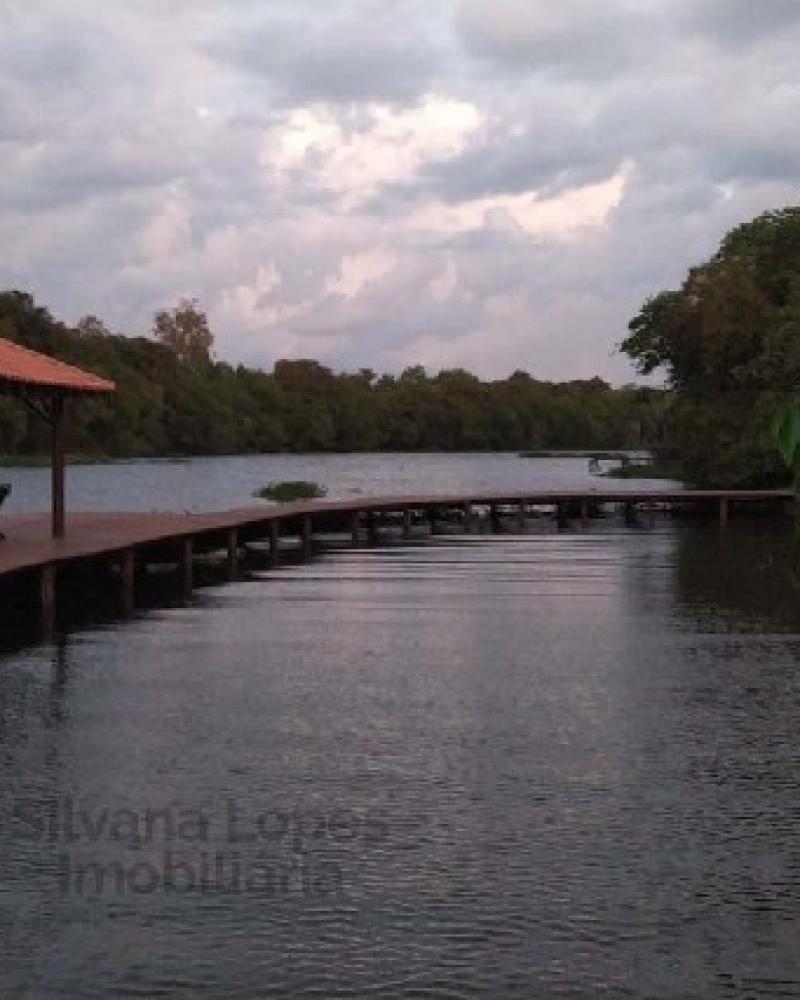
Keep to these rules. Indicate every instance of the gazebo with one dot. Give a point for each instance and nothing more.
(45, 385)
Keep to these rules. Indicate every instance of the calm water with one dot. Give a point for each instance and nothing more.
(203, 484)
(551, 765)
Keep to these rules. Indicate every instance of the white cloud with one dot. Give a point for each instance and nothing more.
(356, 271)
(353, 156)
(559, 217)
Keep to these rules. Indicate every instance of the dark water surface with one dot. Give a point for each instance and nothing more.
(552, 765)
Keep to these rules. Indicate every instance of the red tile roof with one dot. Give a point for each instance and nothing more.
(23, 367)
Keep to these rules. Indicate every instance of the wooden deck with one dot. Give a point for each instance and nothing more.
(29, 544)
(129, 538)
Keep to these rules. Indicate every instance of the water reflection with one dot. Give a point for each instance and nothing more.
(558, 765)
(60, 677)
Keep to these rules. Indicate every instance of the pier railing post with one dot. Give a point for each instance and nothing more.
(584, 514)
(355, 529)
(274, 542)
(187, 567)
(233, 553)
(127, 575)
(47, 599)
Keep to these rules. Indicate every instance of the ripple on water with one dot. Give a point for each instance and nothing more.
(550, 766)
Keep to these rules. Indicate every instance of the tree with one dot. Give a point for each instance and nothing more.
(184, 329)
(729, 341)
(91, 326)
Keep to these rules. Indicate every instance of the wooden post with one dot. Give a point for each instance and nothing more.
(372, 528)
(521, 522)
(57, 463)
(127, 576)
(494, 518)
(187, 567)
(467, 507)
(233, 553)
(274, 542)
(307, 537)
(47, 599)
(355, 529)
(584, 514)
(406, 523)
(432, 519)
(562, 521)
(723, 512)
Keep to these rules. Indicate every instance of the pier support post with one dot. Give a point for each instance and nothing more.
(274, 542)
(355, 529)
(562, 520)
(467, 508)
(187, 568)
(432, 519)
(584, 514)
(307, 537)
(723, 512)
(406, 523)
(372, 528)
(127, 577)
(233, 553)
(494, 519)
(58, 463)
(521, 521)
(47, 599)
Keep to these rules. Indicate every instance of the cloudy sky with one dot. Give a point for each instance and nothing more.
(490, 184)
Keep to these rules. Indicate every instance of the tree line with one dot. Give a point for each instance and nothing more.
(174, 398)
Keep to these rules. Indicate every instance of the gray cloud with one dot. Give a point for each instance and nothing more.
(345, 52)
(576, 38)
(742, 23)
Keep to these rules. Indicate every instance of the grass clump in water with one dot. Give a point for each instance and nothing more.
(290, 490)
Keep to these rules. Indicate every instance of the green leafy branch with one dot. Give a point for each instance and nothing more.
(787, 438)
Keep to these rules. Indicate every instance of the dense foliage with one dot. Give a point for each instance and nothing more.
(730, 342)
(173, 398)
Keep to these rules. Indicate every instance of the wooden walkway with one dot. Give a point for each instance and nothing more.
(131, 539)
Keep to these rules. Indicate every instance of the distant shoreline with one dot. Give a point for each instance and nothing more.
(42, 460)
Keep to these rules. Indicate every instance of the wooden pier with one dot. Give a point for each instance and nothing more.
(130, 540)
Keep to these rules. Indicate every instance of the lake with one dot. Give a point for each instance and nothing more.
(203, 484)
(541, 765)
